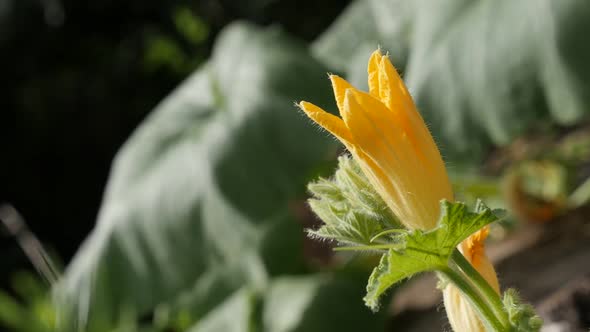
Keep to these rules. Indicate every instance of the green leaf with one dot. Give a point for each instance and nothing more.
(28, 286)
(27, 314)
(481, 71)
(318, 303)
(204, 184)
(13, 314)
(233, 315)
(313, 303)
(420, 251)
(212, 288)
(346, 45)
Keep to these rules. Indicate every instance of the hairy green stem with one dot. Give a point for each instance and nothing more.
(492, 297)
(488, 315)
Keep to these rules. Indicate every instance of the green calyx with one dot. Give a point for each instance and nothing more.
(522, 316)
(352, 211)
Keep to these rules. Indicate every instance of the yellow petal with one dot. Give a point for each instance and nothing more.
(330, 122)
(376, 175)
(339, 85)
(394, 94)
(359, 103)
(461, 314)
(371, 124)
(392, 90)
(373, 71)
(473, 248)
(407, 192)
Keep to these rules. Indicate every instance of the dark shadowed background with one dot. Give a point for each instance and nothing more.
(78, 77)
(171, 127)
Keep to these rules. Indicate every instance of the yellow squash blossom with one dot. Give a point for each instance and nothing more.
(461, 314)
(388, 138)
(386, 135)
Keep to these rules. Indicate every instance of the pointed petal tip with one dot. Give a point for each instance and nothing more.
(377, 54)
(307, 107)
(373, 70)
(335, 76)
(386, 61)
(328, 121)
(350, 103)
(339, 86)
(299, 104)
(353, 93)
(311, 110)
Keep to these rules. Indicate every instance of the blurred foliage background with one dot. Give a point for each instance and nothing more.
(165, 135)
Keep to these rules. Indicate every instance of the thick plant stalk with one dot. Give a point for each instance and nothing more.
(488, 316)
(493, 298)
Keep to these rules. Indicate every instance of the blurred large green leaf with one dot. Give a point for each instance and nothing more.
(318, 303)
(311, 303)
(346, 45)
(199, 195)
(481, 71)
(234, 315)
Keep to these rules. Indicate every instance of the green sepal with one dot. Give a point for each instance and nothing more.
(420, 251)
(352, 211)
(522, 316)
